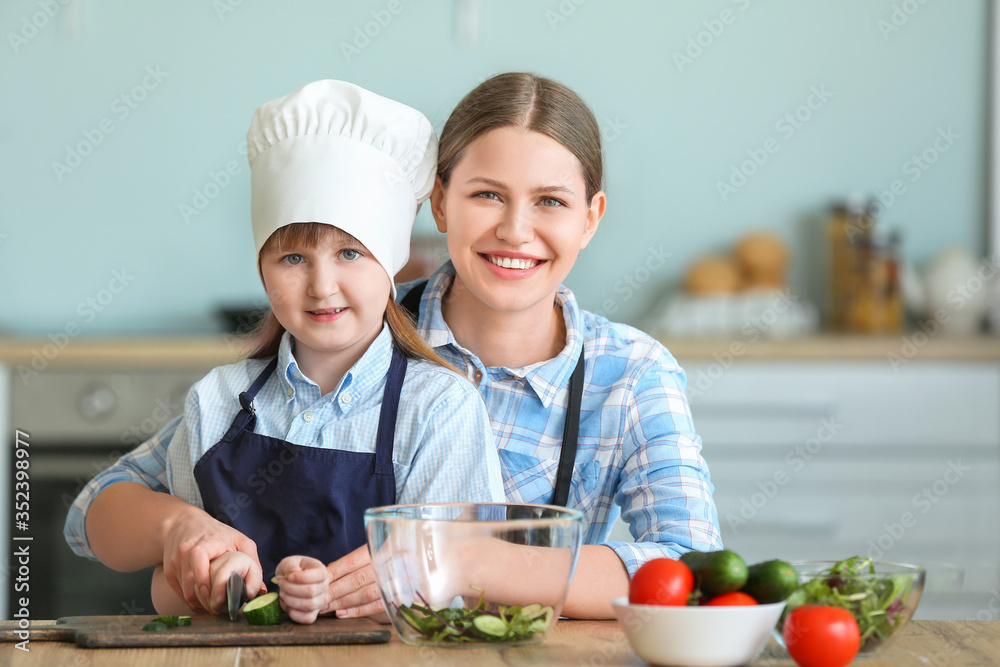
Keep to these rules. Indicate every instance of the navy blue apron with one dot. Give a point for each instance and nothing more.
(295, 500)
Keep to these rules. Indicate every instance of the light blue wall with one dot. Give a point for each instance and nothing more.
(674, 131)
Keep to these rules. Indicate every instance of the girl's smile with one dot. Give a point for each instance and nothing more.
(328, 315)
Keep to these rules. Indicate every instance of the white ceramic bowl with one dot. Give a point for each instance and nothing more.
(697, 636)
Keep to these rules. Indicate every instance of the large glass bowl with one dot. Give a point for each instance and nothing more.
(473, 574)
(881, 596)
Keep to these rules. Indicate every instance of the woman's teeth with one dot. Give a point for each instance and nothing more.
(512, 263)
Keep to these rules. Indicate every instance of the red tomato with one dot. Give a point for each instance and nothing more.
(662, 581)
(818, 636)
(736, 598)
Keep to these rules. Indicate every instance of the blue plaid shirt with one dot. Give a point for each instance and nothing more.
(638, 455)
(443, 449)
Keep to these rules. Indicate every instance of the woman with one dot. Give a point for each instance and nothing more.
(519, 195)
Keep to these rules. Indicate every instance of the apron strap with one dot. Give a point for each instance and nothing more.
(246, 417)
(411, 302)
(387, 414)
(567, 456)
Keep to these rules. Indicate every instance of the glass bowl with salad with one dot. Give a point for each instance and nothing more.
(882, 597)
(471, 574)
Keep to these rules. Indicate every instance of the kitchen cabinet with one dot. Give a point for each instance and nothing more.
(822, 460)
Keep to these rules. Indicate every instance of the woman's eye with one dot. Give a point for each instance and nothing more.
(293, 259)
(486, 195)
(552, 201)
(350, 254)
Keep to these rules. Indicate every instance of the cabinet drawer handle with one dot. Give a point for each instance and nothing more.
(812, 527)
(795, 409)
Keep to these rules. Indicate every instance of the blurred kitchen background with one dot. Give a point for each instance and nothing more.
(798, 206)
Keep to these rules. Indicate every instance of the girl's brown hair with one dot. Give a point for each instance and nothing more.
(517, 99)
(264, 340)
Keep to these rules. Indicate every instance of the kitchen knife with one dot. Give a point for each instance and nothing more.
(236, 595)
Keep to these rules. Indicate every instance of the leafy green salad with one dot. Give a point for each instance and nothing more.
(460, 625)
(876, 602)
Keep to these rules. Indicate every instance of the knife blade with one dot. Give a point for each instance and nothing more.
(236, 595)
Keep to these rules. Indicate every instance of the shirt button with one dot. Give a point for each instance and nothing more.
(478, 375)
(346, 398)
(288, 391)
(307, 416)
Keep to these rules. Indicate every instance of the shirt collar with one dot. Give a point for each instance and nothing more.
(546, 378)
(365, 374)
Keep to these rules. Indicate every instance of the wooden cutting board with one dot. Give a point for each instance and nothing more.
(126, 631)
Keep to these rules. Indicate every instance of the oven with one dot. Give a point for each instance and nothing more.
(74, 424)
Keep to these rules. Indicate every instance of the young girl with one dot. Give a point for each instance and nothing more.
(342, 406)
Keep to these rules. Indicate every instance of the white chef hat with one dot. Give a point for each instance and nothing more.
(335, 153)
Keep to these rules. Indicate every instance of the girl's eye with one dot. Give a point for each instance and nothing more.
(350, 254)
(552, 201)
(486, 195)
(293, 259)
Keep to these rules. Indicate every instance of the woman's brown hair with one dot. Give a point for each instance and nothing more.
(264, 340)
(517, 99)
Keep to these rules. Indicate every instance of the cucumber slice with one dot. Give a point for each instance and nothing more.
(155, 626)
(263, 610)
(490, 625)
(169, 621)
(183, 621)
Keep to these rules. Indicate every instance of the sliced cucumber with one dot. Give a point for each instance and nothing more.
(263, 610)
(490, 625)
(155, 626)
(183, 621)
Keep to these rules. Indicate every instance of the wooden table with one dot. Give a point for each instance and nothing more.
(576, 643)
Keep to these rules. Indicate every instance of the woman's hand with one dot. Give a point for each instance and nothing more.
(352, 590)
(223, 567)
(192, 540)
(304, 585)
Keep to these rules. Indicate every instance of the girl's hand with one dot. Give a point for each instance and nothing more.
(192, 540)
(353, 591)
(224, 566)
(304, 587)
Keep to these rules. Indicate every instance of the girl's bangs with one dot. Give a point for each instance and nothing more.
(305, 234)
